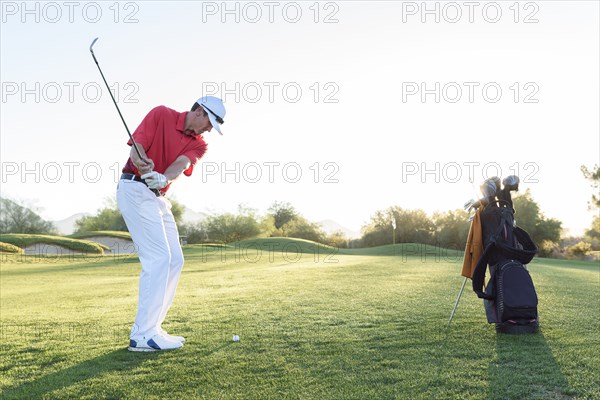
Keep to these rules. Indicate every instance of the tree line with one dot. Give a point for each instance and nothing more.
(392, 225)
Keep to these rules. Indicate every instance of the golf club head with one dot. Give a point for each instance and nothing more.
(468, 204)
(92, 45)
(473, 204)
(511, 183)
(490, 187)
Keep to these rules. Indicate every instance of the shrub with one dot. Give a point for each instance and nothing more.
(10, 248)
(579, 250)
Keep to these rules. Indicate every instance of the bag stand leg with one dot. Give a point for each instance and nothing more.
(457, 299)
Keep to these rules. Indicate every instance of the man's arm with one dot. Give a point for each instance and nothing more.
(176, 169)
(155, 180)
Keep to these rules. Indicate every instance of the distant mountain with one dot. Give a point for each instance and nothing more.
(330, 227)
(191, 216)
(67, 226)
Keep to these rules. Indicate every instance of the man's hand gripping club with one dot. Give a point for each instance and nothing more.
(154, 180)
(145, 166)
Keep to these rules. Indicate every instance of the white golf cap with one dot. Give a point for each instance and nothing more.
(215, 109)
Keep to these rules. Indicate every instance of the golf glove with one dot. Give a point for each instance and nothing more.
(154, 180)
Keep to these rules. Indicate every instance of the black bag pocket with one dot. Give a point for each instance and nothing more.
(516, 296)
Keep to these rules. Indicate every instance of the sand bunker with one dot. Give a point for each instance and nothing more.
(116, 245)
(45, 248)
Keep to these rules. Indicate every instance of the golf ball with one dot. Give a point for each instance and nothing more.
(236, 338)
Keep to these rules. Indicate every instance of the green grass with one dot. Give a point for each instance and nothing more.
(24, 240)
(116, 234)
(314, 322)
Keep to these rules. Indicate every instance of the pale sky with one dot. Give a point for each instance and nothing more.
(330, 90)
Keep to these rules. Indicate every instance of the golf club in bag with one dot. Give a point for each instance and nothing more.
(510, 299)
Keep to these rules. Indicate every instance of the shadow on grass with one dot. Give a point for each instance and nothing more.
(120, 360)
(524, 368)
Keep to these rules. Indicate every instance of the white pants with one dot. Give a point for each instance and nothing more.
(154, 232)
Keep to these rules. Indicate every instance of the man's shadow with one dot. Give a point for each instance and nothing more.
(114, 361)
(524, 368)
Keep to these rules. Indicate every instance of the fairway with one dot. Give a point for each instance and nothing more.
(315, 323)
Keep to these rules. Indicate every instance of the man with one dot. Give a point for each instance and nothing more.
(170, 144)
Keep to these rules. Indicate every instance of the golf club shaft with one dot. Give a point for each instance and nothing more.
(114, 101)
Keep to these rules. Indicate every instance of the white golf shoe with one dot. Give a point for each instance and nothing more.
(174, 338)
(157, 342)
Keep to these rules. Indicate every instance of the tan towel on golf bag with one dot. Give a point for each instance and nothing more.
(474, 247)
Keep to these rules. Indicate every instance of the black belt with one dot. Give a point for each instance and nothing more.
(132, 177)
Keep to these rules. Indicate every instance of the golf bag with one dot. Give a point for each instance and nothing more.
(510, 299)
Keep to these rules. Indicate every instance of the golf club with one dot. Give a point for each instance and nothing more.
(113, 99)
(489, 188)
(511, 183)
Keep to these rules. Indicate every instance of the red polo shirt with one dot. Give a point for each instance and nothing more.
(161, 135)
